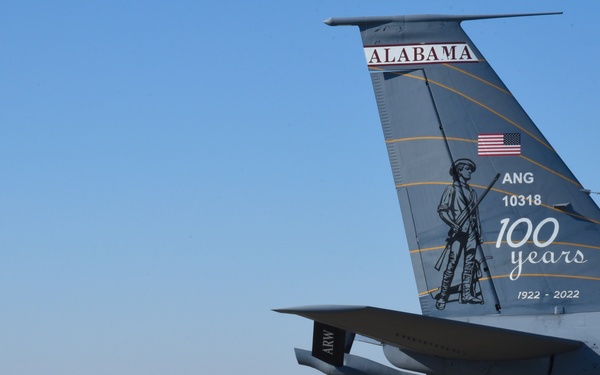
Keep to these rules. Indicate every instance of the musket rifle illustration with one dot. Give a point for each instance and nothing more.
(461, 220)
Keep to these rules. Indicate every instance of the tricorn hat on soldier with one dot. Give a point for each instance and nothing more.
(463, 161)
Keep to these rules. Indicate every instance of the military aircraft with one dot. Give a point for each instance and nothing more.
(504, 240)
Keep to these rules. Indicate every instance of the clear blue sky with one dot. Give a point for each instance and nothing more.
(172, 170)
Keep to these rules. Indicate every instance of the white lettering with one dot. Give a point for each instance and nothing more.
(512, 228)
(328, 340)
(529, 230)
(518, 178)
(536, 233)
(534, 257)
(547, 257)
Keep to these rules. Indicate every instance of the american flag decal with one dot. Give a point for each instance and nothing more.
(499, 144)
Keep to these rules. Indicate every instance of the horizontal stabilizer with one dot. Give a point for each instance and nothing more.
(353, 365)
(435, 336)
(358, 21)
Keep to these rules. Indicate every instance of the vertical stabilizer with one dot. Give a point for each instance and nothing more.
(495, 220)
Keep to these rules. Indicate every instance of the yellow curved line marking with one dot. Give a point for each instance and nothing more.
(422, 183)
(504, 242)
(463, 72)
(399, 186)
(551, 171)
(423, 138)
(553, 208)
(482, 106)
(590, 278)
(427, 249)
(479, 79)
(541, 205)
(573, 244)
(428, 292)
(442, 247)
(577, 245)
(561, 276)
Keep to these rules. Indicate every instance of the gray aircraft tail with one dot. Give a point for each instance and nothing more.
(495, 220)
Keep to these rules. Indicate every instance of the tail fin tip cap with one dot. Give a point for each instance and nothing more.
(357, 21)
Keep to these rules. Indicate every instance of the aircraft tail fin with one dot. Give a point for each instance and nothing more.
(494, 219)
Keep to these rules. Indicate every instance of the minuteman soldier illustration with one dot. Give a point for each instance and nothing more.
(458, 208)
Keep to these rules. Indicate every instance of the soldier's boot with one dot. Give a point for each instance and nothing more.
(440, 304)
(466, 295)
